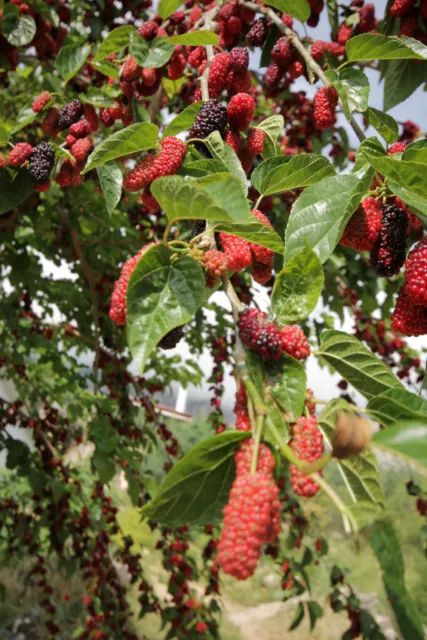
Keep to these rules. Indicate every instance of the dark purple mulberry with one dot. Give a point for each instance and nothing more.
(211, 117)
(389, 250)
(70, 114)
(171, 339)
(41, 163)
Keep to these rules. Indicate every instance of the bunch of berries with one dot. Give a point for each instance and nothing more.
(363, 227)
(307, 444)
(118, 299)
(260, 335)
(325, 103)
(252, 515)
(165, 163)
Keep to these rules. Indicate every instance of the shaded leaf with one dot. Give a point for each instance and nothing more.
(286, 380)
(320, 214)
(136, 137)
(298, 617)
(197, 487)
(184, 120)
(111, 179)
(406, 438)
(97, 98)
(315, 612)
(70, 59)
(356, 363)
(301, 170)
(14, 190)
(402, 78)
(297, 287)
(353, 88)
(416, 151)
(195, 38)
(386, 126)
(151, 55)
(104, 465)
(115, 41)
(214, 197)
(161, 295)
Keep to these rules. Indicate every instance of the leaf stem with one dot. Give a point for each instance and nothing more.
(166, 233)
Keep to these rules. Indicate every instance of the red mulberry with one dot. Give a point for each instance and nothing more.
(81, 148)
(232, 138)
(281, 53)
(241, 109)
(215, 264)
(307, 444)
(257, 32)
(397, 147)
(294, 342)
(218, 74)
(237, 250)
(416, 274)
(118, 298)
(408, 318)
(239, 59)
(363, 227)
(255, 141)
(41, 101)
(165, 163)
(325, 102)
(20, 154)
(400, 8)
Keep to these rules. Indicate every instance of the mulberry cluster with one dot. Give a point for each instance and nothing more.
(118, 299)
(416, 274)
(151, 167)
(389, 250)
(363, 227)
(69, 114)
(215, 264)
(325, 102)
(307, 444)
(260, 335)
(41, 163)
(252, 515)
(397, 147)
(211, 117)
(294, 342)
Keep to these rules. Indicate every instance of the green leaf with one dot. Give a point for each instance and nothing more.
(332, 8)
(161, 295)
(116, 40)
(214, 197)
(151, 55)
(384, 541)
(104, 465)
(356, 363)
(172, 87)
(196, 489)
(299, 9)
(167, 7)
(195, 38)
(300, 171)
(14, 190)
(25, 116)
(273, 128)
(397, 405)
(406, 438)
(297, 287)
(254, 231)
(287, 381)
(361, 473)
(221, 151)
(97, 98)
(353, 88)
(315, 612)
(320, 214)
(17, 453)
(265, 167)
(18, 29)
(107, 68)
(298, 617)
(137, 137)
(201, 168)
(402, 78)
(111, 179)
(374, 46)
(386, 126)
(183, 120)
(416, 152)
(48, 12)
(70, 59)
(140, 113)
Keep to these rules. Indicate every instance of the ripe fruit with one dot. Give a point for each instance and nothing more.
(243, 458)
(416, 274)
(232, 138)
(400, 8)
(408, 318)
(325, 102)
(363, 227)
(118, 299)
(211, 117)
(257, 33)
(41, 163)
(165, 163)
(218, 72)
(397, 147)
(171, 339)
(239, 59)
(260, 335)
(389, 250)
(69, 114)
(241, 109)
(294, 342)
(255, 141)
(81, 148)
(281, 53)
(261, 254)
(307, 444)
(20, 154)
(41, 101)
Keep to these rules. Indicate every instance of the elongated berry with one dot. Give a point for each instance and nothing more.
(294, 342)
(408, 318)
(363, 227)
(389, 250)
(118, 299)
(260, 335)
(416, 274)
(307, 444)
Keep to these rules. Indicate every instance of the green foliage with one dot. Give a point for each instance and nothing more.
(70, 60)
(298, 287)
(15, 189)
(373, 46)
(300, 171)
(183, 120)
(196, 489)
(299, 9)
(116, 40)
(111, 180)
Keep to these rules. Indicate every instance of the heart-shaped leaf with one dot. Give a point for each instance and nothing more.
(299, 171)
(111, 180)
